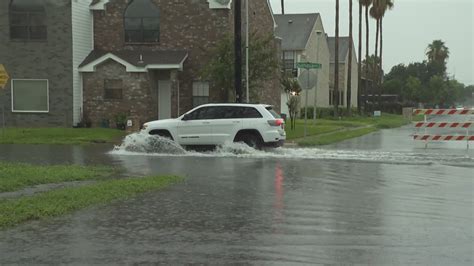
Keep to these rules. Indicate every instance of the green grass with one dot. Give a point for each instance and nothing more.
(298, 132)
(63, 201)
(15, 176)
(345, 128)
(335, 137)
(59, 135)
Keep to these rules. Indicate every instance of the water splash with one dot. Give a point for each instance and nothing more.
(151, 144)
(143, 144)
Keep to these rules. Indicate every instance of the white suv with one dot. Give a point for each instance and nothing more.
(257, 125)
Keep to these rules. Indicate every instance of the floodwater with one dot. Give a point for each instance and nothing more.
(378, 199)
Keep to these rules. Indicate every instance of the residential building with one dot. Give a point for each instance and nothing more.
(304, 39)
(344, 43)
(42, 44)
(94, 60)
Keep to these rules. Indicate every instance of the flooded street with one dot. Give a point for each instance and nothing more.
(378, 199)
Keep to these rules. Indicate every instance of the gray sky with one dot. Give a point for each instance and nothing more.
(408, 29)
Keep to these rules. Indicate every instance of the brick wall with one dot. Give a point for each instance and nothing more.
(50, 59)
(138, 96)
(184, 25)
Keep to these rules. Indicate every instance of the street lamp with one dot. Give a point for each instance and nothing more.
(318, 33)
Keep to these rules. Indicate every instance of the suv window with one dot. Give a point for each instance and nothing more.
(203, 113)
(224, 112)
(274, 114)
(250, 112)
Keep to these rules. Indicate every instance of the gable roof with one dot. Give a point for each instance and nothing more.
(344, 43)
(136, 61)
(295, 29)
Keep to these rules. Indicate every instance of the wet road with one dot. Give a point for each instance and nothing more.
(378, 199)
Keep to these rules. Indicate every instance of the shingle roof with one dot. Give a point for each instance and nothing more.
(295, 29)
(140, 58)
(343, 48)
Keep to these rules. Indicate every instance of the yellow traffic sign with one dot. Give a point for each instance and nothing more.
(3, 77)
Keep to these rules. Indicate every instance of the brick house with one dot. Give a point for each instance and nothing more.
(304, 39)
(42, 43)
(148, 56)
(75, 59)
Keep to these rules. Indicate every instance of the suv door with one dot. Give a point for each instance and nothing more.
(196, 128)
(227, 123)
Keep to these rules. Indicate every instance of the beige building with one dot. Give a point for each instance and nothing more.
(304, 39)
(344, 43)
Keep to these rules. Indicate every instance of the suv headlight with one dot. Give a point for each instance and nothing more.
(144, 126)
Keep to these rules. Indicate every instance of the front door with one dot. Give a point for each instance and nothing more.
(164, 99)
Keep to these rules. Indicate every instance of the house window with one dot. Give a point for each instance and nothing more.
(341, 98)
(200, 93)
(289, 63)
(27, 20)
(113, 89)
(142, 22)
(30, 95)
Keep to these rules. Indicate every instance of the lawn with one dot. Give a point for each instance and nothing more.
(66, 200)
(59, 135)
(15, 176)
(329, 130)
(55, 202)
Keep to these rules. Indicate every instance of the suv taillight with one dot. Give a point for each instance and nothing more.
(276, 123)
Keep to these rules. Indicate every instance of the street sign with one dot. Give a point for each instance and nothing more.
(309, 65)
(3, 77)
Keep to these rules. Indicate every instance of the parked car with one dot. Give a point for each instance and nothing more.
(256, 125)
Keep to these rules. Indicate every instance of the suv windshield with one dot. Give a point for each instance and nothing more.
(275, 114)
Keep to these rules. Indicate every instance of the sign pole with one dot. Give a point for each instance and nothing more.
(3, 81)
(306, 105)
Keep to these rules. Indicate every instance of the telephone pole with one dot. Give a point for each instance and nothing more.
(238, 50)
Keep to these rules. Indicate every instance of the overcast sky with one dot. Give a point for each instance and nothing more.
(408, 29)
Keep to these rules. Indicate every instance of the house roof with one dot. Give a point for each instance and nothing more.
(344, 43)
(295, 29)
(136, 61)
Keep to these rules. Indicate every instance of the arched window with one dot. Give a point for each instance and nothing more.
(142, 22)
(27, 20)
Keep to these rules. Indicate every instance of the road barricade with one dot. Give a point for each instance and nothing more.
(426, 136)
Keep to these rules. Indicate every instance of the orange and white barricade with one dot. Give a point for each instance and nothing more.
(447, 125)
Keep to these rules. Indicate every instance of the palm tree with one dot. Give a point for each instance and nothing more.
(359, 67)
(437, 52)
(336, 64)
(349, 65)
(370, 65)
(375, 13)
(384, 5)
(366, 4)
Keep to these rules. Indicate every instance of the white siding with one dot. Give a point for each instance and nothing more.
(82, 45)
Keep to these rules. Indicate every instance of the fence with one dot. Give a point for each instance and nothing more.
(446, 125)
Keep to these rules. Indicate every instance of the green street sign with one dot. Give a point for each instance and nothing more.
(309, 65)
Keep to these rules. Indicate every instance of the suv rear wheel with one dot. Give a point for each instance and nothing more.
(252, 140)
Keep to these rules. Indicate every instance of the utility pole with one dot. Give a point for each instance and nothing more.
(238, 50)
(247, 82)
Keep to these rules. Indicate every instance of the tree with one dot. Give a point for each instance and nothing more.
(375, 14)
(292, 89)
(366, 4)
(437, 54)
(263, 63)
(359, 66)
(336, 64)
(349, 65)
(384, 5)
